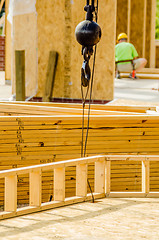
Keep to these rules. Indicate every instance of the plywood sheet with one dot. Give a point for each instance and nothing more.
(25, 38)
(105, 62)
(50, 25)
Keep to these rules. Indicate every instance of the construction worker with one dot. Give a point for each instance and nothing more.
(125, 51)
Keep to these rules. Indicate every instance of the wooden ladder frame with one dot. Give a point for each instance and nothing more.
(35, 190)
(102, 183)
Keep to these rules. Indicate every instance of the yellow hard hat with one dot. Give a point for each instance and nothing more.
(121, 36)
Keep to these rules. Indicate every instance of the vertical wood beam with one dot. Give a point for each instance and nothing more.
(100, 176)
(144, 29)
(129, 20)
(59, 184)
(121, 16)
(145, 176)
(108, 174)
(10, 199)
(50, 76)
(67, 48)
(152, 44)
(137, 16)
(1, 4)
(8, 41)
(148, 32)
(81, 180)
(35, 188)
(20, 75)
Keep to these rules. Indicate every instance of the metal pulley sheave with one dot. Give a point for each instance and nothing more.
(88, 34)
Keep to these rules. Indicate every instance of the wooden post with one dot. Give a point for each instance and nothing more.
(129, 20)
(144, 29)
(152, 44)
(145, 176)
(1, 5)
(35, 188)
(81, 180)
(20, 75)
(10, 199)
(50, 76)
(108, 172)
(100, 176)
(59, 184)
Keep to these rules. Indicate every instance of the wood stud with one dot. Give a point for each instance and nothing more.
(10, 204)
(59, 184)
(81, 180)
(145, 176)
(35, 188)
(108, 173)
(100, 176)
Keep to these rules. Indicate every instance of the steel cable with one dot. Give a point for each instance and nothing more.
(83, 152)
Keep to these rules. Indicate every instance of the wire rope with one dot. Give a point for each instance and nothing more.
(83, 151)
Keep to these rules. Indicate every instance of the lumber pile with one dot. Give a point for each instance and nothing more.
(43, 133)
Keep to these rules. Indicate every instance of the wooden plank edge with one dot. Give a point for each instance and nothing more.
(50, 205)
(132, 195)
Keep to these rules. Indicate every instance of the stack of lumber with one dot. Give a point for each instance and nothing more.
(47, 132)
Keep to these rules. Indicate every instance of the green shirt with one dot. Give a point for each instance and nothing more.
(125, 51)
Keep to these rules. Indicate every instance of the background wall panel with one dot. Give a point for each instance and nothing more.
(122, 16)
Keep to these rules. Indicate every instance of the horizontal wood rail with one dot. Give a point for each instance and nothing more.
(37, 110)
(123, 108)
(102, 183)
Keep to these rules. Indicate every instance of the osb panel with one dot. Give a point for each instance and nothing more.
(25, 38)
(148, 32)
(105, 61)
(50, 37)
(122, 16)
(137, 16)
(62, 17)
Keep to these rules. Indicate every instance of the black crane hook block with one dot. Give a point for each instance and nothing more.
(88, 34)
